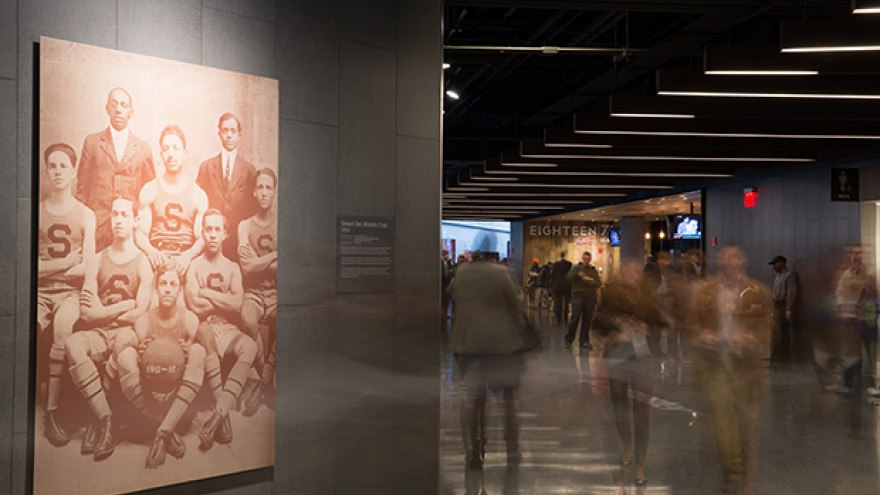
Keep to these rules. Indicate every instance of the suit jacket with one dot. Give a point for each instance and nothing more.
(101, 177)
(488, 311)
(235, 199)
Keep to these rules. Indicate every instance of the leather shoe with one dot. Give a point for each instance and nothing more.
(105, 446)
(156, 457)
(224, 431)
(53, 431)
(209, 429)
(90, 438)
(174, 445)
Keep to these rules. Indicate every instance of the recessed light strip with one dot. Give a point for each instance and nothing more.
(761, 72)
(524, 164)
(821, 49)
(576, 145)
(579, 186)
(611, 174)
(729, 134)
(675, 158)
(478, 177)
(453, 200)
(655, 115)
(521, 195)
(731, 94)
(867, 10)
(500, 207)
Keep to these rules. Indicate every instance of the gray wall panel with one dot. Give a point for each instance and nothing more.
(8, 136)
(169, 29)
(419, 73)
(83, 21)
(306, 397)
(309, 237)
(22, 325)
(19, 479)
(8, 23)
(308, 61)
(260, 9)
(7, 350)
(238, 43)
(367, 130)
(372, 23)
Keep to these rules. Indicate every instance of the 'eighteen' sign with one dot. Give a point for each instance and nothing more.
(559, 230)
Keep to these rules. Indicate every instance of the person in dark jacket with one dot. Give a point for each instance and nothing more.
(585, 284)
(561, 288)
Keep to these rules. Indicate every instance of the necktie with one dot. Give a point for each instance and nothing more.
(226, 171)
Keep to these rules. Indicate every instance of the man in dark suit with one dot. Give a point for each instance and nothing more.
(114, 163)
(229, 181)
(561, 287)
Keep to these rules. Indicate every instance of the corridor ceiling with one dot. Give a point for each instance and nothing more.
(531, 133)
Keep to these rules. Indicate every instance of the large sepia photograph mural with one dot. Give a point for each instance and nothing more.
(156, 272)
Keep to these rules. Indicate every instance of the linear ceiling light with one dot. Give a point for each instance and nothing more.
(755, 61)
(580, 186)
(655, 115)
(454, 200)
(521, 195)
(446, 65)
(730, 134)
(577, 145)
(761, 72)
(526, 164)
(500, 207)
(867, 10)
(689, 83)
(479, 177)
(452, 94)
(681, 158)
(612, 174)
(834, 34)
(467, 189)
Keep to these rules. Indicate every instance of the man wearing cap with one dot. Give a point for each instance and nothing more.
(784, 292)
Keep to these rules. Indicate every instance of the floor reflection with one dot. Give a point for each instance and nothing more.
(809, 441)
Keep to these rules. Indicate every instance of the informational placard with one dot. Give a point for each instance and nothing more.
(365, 254)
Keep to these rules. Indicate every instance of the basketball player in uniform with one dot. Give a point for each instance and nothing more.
(116, 292)
(258, 257)
(177, 325)
(171, 208)
(214, 293)
(66, 238)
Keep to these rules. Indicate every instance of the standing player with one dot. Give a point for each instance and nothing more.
(66, 238)
(114, 163)
(171, 208)
(116, 292)
(214, 293)
(258, 257)
(176, 325)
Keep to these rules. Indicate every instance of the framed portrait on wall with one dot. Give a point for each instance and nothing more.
(156, 271)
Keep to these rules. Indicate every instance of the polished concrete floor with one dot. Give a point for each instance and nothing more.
(810, 441)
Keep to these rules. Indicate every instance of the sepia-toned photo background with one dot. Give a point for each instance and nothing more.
(75, 80)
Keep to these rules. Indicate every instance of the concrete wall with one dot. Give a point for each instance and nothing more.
(794, 217)
(358, 376)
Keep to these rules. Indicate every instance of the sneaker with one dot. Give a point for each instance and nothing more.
(586, 345)
(873, 391)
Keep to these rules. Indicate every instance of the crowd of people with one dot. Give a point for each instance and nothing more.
(154, 291)
(722, 324)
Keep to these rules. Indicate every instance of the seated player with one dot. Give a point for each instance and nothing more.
(170, 216)
(116, 292)
(168, 330)
(214, 294)
(66, 238)
(258, 256)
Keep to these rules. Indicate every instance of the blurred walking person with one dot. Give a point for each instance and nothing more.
(561, 288)
(486, 339)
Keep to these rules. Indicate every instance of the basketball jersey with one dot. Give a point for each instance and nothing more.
(216, 277)
(174, 216)
(58, 237)
(118, 282)
(263, 240)
(174, 331)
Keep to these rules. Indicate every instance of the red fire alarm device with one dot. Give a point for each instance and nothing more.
(750, 197)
